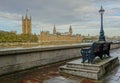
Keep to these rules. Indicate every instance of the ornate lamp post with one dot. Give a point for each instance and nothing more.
(101, 37)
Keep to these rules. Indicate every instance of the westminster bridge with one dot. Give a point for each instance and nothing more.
(35, 65)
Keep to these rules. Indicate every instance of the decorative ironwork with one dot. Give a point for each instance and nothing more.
(102, 36)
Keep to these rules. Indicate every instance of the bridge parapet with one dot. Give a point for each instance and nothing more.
(20, 59)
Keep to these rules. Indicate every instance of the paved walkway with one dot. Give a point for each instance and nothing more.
(114, 75)
(50, 74)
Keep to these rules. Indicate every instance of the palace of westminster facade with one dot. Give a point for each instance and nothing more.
(45, 36)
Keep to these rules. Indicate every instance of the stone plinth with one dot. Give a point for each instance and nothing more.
(92, 71)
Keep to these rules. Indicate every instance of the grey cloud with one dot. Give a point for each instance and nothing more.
(59, 11)
(62, 12)
(10, 16)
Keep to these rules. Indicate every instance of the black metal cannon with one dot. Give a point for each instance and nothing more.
(97, 49)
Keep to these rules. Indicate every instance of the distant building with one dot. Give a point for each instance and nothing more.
(26, 25)
(54, 30)
(70, 31)
(45, 36)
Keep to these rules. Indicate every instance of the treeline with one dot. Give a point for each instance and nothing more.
(13, 37)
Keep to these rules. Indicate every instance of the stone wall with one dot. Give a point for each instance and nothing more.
(20, 59)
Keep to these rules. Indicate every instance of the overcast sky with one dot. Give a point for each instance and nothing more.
(83, 15)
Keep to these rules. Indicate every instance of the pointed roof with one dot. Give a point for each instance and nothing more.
(101, 9)
(70, 29)
(54, 29)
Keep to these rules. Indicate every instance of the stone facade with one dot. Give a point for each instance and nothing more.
(26, 25)
(60, 37)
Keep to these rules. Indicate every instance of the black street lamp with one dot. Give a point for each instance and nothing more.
(101, 37)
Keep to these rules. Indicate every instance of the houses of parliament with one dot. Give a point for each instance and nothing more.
(26, 25)
(46, 36)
